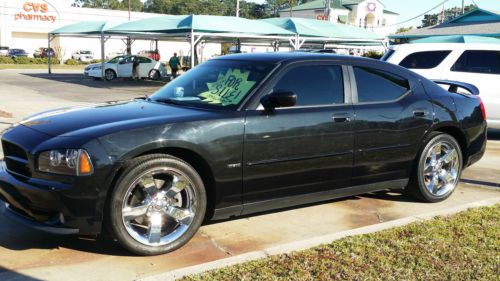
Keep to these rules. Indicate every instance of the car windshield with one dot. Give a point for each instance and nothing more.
(85, 52)
(116, 59)
(222, 84)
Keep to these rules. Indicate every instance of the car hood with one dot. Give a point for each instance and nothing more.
(103, 119)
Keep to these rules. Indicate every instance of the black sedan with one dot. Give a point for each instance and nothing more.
(14, 53)
(236, 135)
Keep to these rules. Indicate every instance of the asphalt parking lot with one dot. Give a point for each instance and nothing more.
(28, 254)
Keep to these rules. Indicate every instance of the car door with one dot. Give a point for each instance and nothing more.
(482, 69)
(125, 67)
(145, 65)
(302, 149)
(392, 115)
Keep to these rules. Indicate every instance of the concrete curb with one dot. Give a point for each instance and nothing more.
(312, 242)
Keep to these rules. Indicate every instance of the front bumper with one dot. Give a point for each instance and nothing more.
(46, 205)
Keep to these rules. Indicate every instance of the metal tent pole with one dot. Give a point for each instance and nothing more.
(48, 53)
(102, 55)
(192, 48)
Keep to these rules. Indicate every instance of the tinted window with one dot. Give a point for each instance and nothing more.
(143, 60)
(375, 85)
(424, 60)
(387, 55)
(314, 84)
(478, 62)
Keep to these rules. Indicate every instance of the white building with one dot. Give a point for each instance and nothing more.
(25, 24)
(370, 14)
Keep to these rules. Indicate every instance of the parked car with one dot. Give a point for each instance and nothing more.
(44, 52)
(235, 135)
(14, 53)
(83, 55)
(478, 64)
(152, 54)
(122, 66)
(4, 51)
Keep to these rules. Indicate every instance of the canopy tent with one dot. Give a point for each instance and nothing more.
(458, 39)
(86, 27)
(221, 28)
(201, 24)
(324, 31)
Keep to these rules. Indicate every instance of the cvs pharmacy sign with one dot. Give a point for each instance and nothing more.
(35, 11)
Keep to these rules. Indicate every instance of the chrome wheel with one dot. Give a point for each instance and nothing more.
(159, 206)
(441, 169)
(110, 75)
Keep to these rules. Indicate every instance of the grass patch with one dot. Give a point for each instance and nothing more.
(465, 246)
(40, 66)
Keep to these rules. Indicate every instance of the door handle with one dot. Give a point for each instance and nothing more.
(420, 112)
(341, 117)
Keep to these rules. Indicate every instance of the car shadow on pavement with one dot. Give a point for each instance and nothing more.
(77, 78)
(385, 195)
(10, 275)
(17, 237)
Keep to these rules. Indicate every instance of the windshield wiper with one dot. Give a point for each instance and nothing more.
(166, 100)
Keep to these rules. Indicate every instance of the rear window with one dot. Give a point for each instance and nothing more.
(387, 55)
(478, 62)
(379, 86)
(424, 60)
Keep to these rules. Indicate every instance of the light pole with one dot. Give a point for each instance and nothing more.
(237, 8)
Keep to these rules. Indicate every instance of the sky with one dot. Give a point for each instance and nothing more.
(410, 8)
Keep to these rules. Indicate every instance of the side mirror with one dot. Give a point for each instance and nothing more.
(278, 99)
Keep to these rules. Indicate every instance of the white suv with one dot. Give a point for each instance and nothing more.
(477, 64)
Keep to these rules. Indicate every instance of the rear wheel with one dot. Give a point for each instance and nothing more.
(109, 74)
(438, 170)
(158, 205)
(154, 74)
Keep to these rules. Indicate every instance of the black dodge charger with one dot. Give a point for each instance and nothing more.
(236, 135)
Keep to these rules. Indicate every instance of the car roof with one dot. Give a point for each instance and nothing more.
(447, 46)
(279, 57)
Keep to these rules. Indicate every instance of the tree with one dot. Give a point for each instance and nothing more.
(433, 19)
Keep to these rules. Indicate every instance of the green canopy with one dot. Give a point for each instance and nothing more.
(458, 39)
(85, 27)
(200, 23)
(318, 28)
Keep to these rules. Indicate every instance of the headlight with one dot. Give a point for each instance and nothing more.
(65, 161)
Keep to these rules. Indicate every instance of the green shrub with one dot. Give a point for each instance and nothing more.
(72, 62)
(6, 60)
(26, 60)
(373, 54)
(95, 61)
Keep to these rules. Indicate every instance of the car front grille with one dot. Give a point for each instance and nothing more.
(16, 159)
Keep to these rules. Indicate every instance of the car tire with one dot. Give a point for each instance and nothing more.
(438, 170)
(110, 74)
(154, 74)
(157, 205)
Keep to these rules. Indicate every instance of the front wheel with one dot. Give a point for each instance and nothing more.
(158, 204)
(438, 170)
(109, 74)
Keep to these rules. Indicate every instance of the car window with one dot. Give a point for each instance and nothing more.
(143, 60)
(387, 55)
(116, 59)
(215, 84)
(377, 86)
(478, 62)
(424, 60)
(314, 84)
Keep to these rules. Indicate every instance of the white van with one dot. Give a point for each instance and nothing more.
(477, 64)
